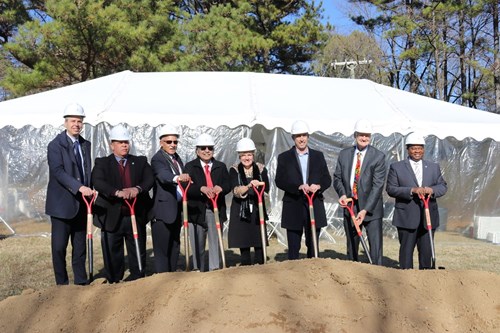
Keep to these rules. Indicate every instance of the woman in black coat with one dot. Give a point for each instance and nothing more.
(244, 225)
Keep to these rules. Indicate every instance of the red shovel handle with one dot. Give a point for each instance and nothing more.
(350, 208)
(90, 201)
(309, 196)
(131, 205)
(425, 199)
(260, 193)
(214, 201)
(184, 190)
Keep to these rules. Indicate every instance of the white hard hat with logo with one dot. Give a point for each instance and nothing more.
(245, 144)
(415, 139)
(300, 127)
(205, 140)
(168, 130)
(363, 126)
(73, 109)
(119, 133)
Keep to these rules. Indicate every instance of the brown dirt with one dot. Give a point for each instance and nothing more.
(309, 295)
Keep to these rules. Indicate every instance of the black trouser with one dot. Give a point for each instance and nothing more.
(62, 231)
(246, 259)
(113, 251)
(294, 239)
(408, 238)
(166, 245)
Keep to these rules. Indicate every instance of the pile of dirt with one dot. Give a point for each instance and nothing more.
(311, 295)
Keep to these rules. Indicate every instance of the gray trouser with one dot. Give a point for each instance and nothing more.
(198, 237)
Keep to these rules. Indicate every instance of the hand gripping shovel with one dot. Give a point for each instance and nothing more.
(313, 222)
(134, 231)
(260, 194)
(350, 208)
(217, 226)
(185, 221)
(425, 199)
(90, 243)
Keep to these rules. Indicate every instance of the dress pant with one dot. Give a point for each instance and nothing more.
(62, 230)
(113, 251)
(294, 240)
(166, 245)
(198, 236)
(246, 258)
(408, 238)
(375, 239)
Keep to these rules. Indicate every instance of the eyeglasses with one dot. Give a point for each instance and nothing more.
(169, 142)
(206, 147)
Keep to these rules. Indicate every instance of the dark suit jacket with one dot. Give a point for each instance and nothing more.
(63, 196)
(408, 210)
(107, 180)
(371, 180)
(166, 208)
(197, 201)
(295, 214)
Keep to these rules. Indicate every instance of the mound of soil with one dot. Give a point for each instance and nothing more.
(310, 295)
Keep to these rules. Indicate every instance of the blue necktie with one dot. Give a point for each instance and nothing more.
(79, 163)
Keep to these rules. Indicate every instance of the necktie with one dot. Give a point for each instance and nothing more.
(357, 171)
(176, 165)
(418, 173)
(125, 173)
(79, 162)
(208, 176)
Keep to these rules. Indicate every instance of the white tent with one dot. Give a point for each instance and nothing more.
(262, 106)
(212, 99)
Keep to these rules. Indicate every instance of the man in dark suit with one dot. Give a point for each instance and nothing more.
(302, 170)
(365, 186)
(209, 178)
(407, 180)
(167, 197)
(119, 177)
(70, 162)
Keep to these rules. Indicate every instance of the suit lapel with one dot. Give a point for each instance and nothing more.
(115, 172)
(294, 159)
(131, 161)
(349, 163)
(410, 170)
(425, 173)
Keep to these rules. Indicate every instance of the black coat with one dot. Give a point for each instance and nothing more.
(197, 201)
(106, 179)
(242, 232)
(295, 214)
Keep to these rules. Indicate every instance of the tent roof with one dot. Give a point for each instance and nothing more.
(232, 99)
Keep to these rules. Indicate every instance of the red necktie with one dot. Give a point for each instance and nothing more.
(125, 174)
(207, 176)
(357, 171)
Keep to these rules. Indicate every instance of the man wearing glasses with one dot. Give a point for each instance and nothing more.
(209, 179)
(167, 197)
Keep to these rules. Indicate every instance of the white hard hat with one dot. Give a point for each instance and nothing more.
(245, 144)
(363, 126)
(415, 139)
(119, 133)
(73, 109)
(300, 127)
(168, 130)
(205, 140)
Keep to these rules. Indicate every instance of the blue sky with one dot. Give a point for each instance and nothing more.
(336, 13)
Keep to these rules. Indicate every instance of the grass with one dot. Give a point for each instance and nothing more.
(26, 261)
